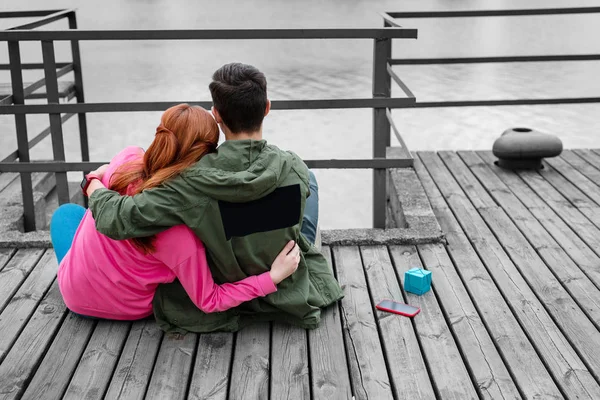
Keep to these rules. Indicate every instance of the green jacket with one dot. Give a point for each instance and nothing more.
(245, 202)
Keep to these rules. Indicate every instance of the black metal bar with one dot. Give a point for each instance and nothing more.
(41, 82)
(43, 21)
(58, 147)
(213, 34)
(82, 119)
(6, 67)
(38, 138)
(500, 59)
(26, 14)
(63, 167)
(389, 21)
(494, 13)
(382, 51)
(490, 103)
(399, 82)
(161, 106)
(16, 77)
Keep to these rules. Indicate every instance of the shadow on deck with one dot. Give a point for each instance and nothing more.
(514, 311)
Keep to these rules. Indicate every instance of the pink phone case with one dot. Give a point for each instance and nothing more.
(379, 307)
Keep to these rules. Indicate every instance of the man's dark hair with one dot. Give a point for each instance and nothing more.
(239, 93)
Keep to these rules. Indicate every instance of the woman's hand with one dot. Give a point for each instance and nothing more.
(286, 262)
(99, 172)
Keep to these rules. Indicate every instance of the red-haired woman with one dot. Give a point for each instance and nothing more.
(105, 278)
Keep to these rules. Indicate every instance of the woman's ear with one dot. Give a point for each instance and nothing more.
(216, 115)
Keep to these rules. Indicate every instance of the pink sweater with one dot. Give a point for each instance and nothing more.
(105, 278)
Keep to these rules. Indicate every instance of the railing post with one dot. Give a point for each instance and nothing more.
(382, 52)
(16, 76)
(58, 147)
(83, 135)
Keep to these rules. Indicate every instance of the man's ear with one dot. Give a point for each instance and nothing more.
(268, 108)
(216, 115)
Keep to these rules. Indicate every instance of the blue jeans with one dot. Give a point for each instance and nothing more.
(66, 219)
(311, 210)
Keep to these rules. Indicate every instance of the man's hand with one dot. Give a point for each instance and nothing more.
(96, 183)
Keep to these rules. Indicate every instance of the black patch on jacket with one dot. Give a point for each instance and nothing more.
(277, 210)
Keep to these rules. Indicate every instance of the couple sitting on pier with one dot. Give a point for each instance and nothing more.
(205, 238)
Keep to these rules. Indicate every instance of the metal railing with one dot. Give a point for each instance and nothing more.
(380, 102)
(50, 81)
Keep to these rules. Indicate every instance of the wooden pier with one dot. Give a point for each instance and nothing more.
(514, 311)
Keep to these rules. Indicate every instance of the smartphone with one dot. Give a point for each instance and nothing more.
(398, 308)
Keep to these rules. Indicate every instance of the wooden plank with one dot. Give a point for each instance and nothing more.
(588, 187)
(485, 364)
(561, 303)
(172, 369)
(24, 302)
(450, 377)
(589, 155)
(5, 256)
(519, 355)
(134, 368)
(550, 342)
(25, 355)
(54, 373)
(588, 170)
(289, 363)
(210, 379)
(558, 259)
(569, 191)
(15, 272)
(571, 229)
(250, 372)
(408, 372)
(98, 361)
(6, 178)
(328, 363)
(368, 371)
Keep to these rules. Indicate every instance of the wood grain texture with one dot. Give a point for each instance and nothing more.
(519, 355)
(5, 256)
(54, 373)
(408, 371)
(328, 363)
(133, 371)
(250, 372)
(491, 376)
(173, 366)
(567, 225)
(551, 344)
(289, 363)
(95, 369)
(558, 259)
(15, 272)
(587, 186)
(571, 299)
(25, 300)
(448, 371)
(368, 371)
(588, 155)
(588, 170)
(25, 355)
(210, 379)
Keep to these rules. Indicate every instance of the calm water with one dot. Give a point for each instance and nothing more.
(154, 71)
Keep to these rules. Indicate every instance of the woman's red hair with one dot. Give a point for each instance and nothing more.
(185, 134)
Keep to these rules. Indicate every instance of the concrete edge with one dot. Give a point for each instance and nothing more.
(339, 237)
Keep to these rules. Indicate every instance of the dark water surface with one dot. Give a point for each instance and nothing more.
(168, 70)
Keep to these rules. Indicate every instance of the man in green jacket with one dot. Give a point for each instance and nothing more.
(245, 202)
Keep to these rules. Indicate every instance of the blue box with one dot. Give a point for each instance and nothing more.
(417, 281)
